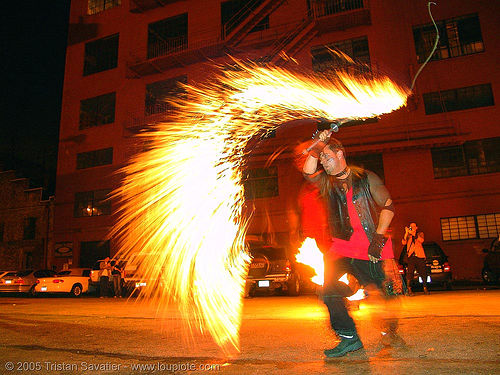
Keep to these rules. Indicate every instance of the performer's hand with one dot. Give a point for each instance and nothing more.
(375, 248)
(321, 144)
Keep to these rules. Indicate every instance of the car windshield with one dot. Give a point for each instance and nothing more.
(64, 273)
(10, 274)
(271, 253)
(23, 273)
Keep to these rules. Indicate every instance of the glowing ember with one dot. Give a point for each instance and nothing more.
(181, 201)
(310, 255)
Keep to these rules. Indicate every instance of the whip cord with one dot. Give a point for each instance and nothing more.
(433, 49)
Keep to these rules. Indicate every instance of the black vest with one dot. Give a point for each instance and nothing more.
(366, 208)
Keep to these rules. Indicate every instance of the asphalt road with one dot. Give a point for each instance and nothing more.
(453, 332)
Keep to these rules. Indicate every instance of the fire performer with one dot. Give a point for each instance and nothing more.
(360, 210)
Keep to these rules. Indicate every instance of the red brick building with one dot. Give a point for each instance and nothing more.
(26, 224)
(439, 156)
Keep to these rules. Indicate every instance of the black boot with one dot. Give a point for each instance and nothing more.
(349, 342)
(410, 292)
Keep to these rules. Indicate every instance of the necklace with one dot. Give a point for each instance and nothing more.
(345, 172)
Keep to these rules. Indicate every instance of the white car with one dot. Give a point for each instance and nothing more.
(74, 281)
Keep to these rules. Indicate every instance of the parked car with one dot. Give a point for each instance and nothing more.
(274, 269)
(438, 268)
(23, 281)
(491, 265)
(73, 281)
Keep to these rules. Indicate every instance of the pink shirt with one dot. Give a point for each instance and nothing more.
(357, 246)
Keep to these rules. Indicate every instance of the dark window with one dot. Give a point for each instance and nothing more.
(94, 158)
(457, 37)
(328, 57)
(101, 55)
(29, 232)
(2, 228)
(473, 157)
(168, 36)
(327, 7)
(458, 99)
(92, 251)
(372, 162)
(235, 12)
(97, 111)
(92, 203)
(261, 183)
(470, 227)
(96, 6)
(159, 93)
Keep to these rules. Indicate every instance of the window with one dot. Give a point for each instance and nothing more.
(325, 57)
(29, 232)
(457, 37)
(168, 36)
(101, 55)
(97, 111)
(372, 162)
(473, 157)
(158, 94)
(2, 229)
(92, 203)
(458, 99)
(327, 7)
(261, 183)
(94, 158)
(470, 227)
(235, 12)
(96, 6)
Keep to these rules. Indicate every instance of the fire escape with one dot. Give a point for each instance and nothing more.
(235, 30)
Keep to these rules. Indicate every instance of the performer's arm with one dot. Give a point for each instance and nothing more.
(381, 195)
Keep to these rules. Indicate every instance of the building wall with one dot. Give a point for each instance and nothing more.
(404, 138)
(17, 203)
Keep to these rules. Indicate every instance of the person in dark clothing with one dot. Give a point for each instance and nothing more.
(359, 210)
(412, 242)
(117, 276)
(104, 275)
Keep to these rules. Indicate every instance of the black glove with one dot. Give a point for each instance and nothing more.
(375, 248)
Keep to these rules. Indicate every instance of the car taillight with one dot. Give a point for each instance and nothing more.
(37, 281)
(401, 270)
(57, 281)
(288, 267)
(19, 281)
(446, 267)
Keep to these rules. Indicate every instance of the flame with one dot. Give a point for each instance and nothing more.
(310, 255)
(181, 201)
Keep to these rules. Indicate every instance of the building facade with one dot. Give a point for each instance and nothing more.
(26, 225)
(439, 156)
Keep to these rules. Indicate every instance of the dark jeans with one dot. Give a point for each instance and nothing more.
(334, 291)
(104, 286)
(117, 285)
(417, 263)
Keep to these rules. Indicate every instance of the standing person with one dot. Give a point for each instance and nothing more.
(416, 256)
(359, 210)
(104, 274)
(117, 276)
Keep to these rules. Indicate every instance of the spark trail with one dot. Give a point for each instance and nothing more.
(181, 201)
